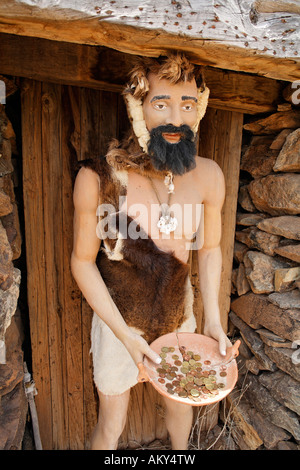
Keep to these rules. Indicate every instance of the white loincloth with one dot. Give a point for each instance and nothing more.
(114, 369)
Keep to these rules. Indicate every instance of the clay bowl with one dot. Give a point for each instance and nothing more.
(208, 349)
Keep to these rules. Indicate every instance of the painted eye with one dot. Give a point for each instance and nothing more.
(188, 107)
(159, 106)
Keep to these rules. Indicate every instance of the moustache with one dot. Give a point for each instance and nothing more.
(184, 130)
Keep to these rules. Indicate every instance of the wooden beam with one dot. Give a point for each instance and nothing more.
(229, 34)
(107, 69)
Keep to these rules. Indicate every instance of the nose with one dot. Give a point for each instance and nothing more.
(175, 117)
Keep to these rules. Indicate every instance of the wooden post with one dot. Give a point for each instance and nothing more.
(220, 140)
(35, 253)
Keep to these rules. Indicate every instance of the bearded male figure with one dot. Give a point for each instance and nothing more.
(132, 237)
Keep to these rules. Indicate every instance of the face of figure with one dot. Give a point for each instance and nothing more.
(170, 111)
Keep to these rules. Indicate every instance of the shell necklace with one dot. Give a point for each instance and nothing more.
(167, 223)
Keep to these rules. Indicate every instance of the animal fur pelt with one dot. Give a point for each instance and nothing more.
(147, 285)
(129, 155)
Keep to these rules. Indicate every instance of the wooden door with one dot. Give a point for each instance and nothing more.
(60, 125)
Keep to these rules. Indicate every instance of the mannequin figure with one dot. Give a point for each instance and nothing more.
(137, 213)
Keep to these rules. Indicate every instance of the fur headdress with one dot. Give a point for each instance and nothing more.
(175, 68)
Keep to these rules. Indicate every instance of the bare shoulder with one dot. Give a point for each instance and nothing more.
(208, 168)
(86, 190)
(211, 178)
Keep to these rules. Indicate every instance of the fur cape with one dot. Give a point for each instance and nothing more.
(150, 287)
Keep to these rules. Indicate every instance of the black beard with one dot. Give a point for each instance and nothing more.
(177, 158)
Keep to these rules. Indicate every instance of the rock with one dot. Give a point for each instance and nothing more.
(11, 373)
(274, 123)
(280, 139)
(259, 159)
(239, 414)
(257, 312)
(284, 278)
(249, 219)
(284, 388)
(284, 107)
(11, 224)
(291, 252)
(14, 404)
(260, 269)
(240, 249)
(6, 266)
(263, 401)
(242, 366)
(233, 280)
(290, 92)
(289, 156)
(287, 226)
(268, 432)
(245, 200)
(273, 340)
(254, 342)
(8, 303)
(286, 299)
(253, 365)
(258, 239)
(286, 359)
(276, 194)
(13, 418)
(244, 350)
(5, 204)
(287, 445)
(242, 284)
(216, 438)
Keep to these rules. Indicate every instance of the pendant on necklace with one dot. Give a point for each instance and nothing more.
(169, 182)
(167, 223)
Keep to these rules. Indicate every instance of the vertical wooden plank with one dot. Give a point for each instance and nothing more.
(72, 321)
(123, 121)
(88, 147)
(90, 119)
(53, 221)
(148, 417)
(35, 253)
(108, 129)
(97, 126)
(90, 396)
(229, 161)
(161, 432)
(221, 140)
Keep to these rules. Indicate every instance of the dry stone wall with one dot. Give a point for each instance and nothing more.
(264, 409)
(13, 401)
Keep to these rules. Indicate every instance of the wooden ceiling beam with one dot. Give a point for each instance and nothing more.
(107, 69)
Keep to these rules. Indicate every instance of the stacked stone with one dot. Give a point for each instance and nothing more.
(264, 409)
(13, 401)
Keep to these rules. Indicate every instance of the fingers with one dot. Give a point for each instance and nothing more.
(139, 347)
(152, 355)
(222, 346)
(224, 343)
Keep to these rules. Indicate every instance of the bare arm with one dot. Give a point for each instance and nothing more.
(210, 256)
(84, 269)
